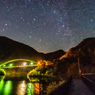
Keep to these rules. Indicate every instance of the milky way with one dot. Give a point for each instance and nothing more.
(47, 25)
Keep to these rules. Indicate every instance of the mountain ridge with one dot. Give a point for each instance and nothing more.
(10, 49)
(84, 52)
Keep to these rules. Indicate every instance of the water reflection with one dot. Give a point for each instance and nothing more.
(13, 86)
(37, 88)
(8, 88)
(30, 89)
(2, 77)
(1, 86)
(21, 88)
(5, 88)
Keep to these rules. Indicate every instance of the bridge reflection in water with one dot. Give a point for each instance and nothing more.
(9, 86)
(18, 88)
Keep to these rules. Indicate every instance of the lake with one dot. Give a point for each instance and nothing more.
(22, 86)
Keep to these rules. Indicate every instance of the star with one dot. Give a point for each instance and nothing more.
(34, 19)
(63, 25)
(30, 37)
(29, 0)
(6, 24)
(47, 25)
(91, 20)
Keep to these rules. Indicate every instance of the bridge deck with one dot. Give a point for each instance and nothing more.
(20, 66)
(75, 87)
(78, 87)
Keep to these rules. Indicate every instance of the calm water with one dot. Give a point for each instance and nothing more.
(9, 86)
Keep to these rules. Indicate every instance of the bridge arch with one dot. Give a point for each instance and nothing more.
(22, 70)
(13, 60)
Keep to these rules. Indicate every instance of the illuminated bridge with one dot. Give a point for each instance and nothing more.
(18, 66)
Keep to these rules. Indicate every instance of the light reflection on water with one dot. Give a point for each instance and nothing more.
(30, 89)
(19, 87)
(1, 86)
(8, 88)
(5, 87)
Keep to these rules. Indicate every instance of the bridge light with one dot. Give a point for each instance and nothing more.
(31, 63)
(11, 64)
(4, 65)
(24, 63)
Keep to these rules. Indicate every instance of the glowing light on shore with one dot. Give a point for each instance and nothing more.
(39, 63)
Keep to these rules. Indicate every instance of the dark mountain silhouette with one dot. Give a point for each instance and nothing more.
(54, 55)
(85, 52)
(10, 49)
(85, 48)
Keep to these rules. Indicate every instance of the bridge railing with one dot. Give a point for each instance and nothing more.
(89, 83)
(19, 66)
(26, 60)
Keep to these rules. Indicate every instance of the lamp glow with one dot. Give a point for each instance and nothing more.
(4, 65)
(24, 63)
(10, 64)
(31, 63)
(38, 63)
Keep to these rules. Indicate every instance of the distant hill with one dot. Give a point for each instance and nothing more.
(85, 52)
(86, 48)
(10, 49)
(54, 55)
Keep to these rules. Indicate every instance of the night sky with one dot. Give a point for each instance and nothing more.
(47, 25)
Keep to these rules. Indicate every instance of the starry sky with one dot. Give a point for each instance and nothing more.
(47, 25)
